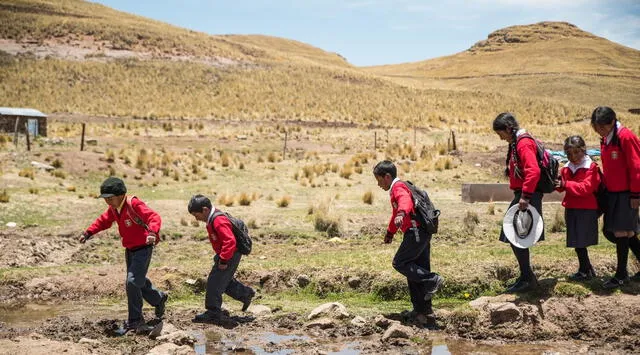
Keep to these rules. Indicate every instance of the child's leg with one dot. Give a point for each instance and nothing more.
(524, 262)
(218, 281)
(622, 253)
(583, 260)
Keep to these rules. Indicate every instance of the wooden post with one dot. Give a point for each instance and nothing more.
(26, 133)
(453, 140)
(15, 133)
(82, 139)
(375, 140)
(284, 150)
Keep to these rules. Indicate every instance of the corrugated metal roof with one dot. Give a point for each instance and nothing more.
(14, 111)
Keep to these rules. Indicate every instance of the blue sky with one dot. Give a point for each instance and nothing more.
(374, 32)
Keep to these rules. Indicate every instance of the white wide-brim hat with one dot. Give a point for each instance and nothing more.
(522, 228)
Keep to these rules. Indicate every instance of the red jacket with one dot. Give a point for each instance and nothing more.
(621, 163)
(528, 167)
(133, 235)
(401, 200)
(580, 187)
(221, 237)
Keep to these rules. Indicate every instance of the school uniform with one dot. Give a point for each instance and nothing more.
(580, 182)
(223, 242)
(413, 256)
(524, 174)
(620, 154)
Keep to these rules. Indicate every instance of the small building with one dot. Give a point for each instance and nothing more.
(35, 120)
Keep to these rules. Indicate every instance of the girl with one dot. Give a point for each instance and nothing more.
(580, 179)
(524, 173)
(620, 152)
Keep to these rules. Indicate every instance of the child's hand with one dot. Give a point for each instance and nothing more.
(635, 203)
(83, 237)
(222, 266)
(151, 239)
(398, 220)
(388, 238)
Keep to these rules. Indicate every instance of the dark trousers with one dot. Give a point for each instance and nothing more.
(223, 281)
(138, 286)
(413, 260)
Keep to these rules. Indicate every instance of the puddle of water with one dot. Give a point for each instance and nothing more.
(29, 314)
(347, 349)
(279, 338)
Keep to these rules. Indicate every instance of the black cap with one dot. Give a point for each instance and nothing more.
(112, 187)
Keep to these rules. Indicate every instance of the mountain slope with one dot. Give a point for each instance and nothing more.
(553, 60)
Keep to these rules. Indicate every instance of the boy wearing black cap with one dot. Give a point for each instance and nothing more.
(138, 226)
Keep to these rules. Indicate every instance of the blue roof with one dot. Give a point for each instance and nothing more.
(14, 111)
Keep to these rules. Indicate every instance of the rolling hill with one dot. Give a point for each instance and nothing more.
(73, 56)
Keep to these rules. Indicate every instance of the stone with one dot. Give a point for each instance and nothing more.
(179, 337)
(397, 330)
(93, 342)
(503, 312)
(358, 321)
(322, 323)
(259, 310)
(354, 282)
(171, 349)
(303, 280)
(333, 309)
(383, 322)
(42, 166)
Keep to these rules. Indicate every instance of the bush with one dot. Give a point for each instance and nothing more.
(284, 201)
(28, 173)
(368, 198)
(57, 163)
(244, 199)
(4, 196)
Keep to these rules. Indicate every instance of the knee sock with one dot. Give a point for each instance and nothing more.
(634, 245)
(522, 255)
(622, 251)
(583, 260)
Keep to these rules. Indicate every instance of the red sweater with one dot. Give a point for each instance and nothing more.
(621, 163)
(133, 235)
(580, 187)
(528, 167)
(221, 237)
(401, 200)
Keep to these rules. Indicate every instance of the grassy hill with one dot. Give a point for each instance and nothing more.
(77, 56)
(555, 60)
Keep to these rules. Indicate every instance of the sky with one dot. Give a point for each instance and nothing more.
(376, 32)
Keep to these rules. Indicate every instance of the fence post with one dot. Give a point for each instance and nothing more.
(82, 139)
(26, 133)
(375, 140)
(284, 149)
(15, 132)
(453, 140)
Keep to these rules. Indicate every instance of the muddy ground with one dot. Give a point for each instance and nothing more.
(61, 312)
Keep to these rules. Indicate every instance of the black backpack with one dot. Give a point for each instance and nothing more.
(425, 212)
(240, 231)
(601, 195)
(548, 165)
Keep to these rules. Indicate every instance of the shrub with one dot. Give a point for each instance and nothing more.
(244, 199)
(28, 173)
(491, 208)
(471, 220)
(558, 224)
(59, 174)
(324, 221)
(368, 197)
(284, 201)
(71, 188)
(183, 222)
(346, 171)
(4, 196)
(33, 191)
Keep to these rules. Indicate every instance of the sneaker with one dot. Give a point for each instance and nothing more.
(160, 308)
(614, 283)
(246, 302)
(207, 317)
(437, 284)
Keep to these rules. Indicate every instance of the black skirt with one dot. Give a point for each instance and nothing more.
(618, 214)
(536, 202)
(582, 227)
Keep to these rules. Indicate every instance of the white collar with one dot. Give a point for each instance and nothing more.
(213, 210)
(520, 132)
(610, 135)
(392, 183)
(585, 163)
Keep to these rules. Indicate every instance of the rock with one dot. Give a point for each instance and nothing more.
(42, 166)
(354, 282)
(358, 321)
(93, 342)
(303, 280)
(259, 310)
(11, 224)
(480, 302)
(397, 331)
(322, 323)
(179, 337)
(503, 312)
(241, 137)
(333, 309)
(336, 240)
(171, 349)
(383, 322)
(168, 328)
(92, 142)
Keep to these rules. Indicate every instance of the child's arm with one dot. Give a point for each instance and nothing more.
(527, 151)
(631, 149)
(101, 223)
(585, 187)
(148, 216)
(224, 231)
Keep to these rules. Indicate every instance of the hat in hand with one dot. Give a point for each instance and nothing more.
(522, 228)
(113, 186)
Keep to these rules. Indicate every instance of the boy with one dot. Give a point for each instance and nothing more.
(225, 262)
(138, 226)
(413, 256)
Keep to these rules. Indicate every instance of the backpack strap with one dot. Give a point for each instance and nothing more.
(136, 218)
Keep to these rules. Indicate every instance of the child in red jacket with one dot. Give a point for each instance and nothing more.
(620, 153)
(580, 179)
(413, 256)
(138, 226)
(524, 174)
(221, 278)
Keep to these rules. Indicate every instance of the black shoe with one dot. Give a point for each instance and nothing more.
(246, 302)
(207, 317)
(126, 327)
(583, 276)
(430, 291)
(635, 277)
(160, 308)
(522, 286)
(615, 283)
